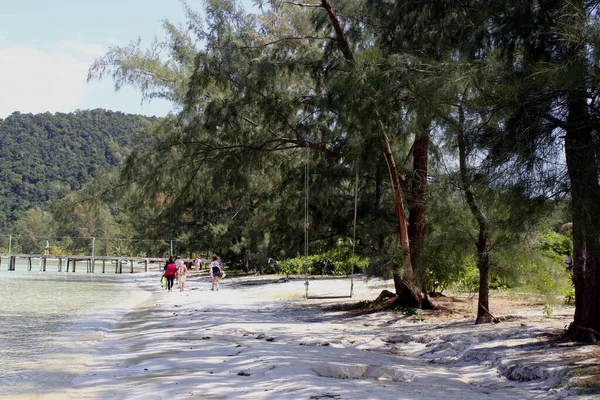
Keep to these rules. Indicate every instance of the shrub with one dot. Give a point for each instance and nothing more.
(334, 262)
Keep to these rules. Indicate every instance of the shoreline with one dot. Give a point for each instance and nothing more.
(74, 346)
(258, 338)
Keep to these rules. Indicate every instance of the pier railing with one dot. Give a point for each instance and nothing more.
(70, 263)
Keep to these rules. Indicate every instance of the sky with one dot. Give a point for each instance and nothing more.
(47, 46)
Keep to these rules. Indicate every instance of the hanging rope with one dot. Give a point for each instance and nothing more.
(354, 231)
(306, 180)
(306, 226)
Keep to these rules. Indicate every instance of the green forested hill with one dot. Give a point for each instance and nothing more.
(44, 156)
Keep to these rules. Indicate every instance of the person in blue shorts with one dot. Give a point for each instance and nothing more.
(216, 272)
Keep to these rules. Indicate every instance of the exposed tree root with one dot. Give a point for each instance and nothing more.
(410, 297)
(384, 295)
(486, 317)
(586, 335)
(582, 334)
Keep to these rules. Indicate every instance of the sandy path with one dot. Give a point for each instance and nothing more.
(266, 342)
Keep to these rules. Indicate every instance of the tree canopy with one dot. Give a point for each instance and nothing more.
(45, 156)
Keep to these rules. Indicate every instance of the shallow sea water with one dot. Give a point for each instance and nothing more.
(50, 323)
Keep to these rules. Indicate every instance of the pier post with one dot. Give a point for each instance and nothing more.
(59, 264)
(12, 263)
(146, 262)
(131, 266)
(28, 263)
(103, 266)
(68, 262)
(74, 264)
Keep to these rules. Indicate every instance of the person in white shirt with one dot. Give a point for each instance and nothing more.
(568, 261)
(181, 273)
(216, 272)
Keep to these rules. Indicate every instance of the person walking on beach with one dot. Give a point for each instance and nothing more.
(170, 271)
(216, 272)
(568, 262)
(181, 273)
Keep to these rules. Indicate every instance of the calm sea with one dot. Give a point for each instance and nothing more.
(50, 323)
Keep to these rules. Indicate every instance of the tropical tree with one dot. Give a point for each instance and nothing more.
(33, 229)
(207, 170)
(545, 84)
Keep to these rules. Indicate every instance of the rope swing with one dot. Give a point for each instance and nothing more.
(306, 226)
(354, 232)
(306, 220)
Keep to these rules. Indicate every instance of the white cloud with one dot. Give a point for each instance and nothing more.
(53, 79)
(33, 80)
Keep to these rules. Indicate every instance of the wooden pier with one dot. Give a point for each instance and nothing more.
(71, 263)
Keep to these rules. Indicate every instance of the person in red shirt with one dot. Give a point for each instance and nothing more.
(170, 271)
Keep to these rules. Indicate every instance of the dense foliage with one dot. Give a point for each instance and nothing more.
(333, 262)
(45, 156)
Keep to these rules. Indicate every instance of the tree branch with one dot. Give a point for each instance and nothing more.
(293, 3)
(289, 38)
(559, 123)
(275, 144)
(341, 38)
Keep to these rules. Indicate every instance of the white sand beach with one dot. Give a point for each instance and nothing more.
(259, 338)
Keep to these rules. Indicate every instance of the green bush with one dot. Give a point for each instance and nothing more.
(334, 262)
(468, 277)
(452, 268)
(556, 243)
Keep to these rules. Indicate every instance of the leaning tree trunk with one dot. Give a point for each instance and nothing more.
(585, 198)
(483, 259)
(346, 50)
(395, 179)
(406, 291)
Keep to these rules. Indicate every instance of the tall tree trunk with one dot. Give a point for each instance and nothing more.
(585, 198)
(378, 183)
(378, 242)
(483, 264)
(418, 196)
(245, 265)
(483, 258)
